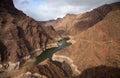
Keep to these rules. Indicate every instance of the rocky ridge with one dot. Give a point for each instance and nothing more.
(20, 34)
(50, 22)
(73, 24)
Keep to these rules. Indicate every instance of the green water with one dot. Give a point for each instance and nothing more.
(49, 52)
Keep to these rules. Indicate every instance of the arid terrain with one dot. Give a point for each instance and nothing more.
(94, 35)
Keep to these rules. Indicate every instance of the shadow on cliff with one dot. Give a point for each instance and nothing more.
(21, 34)
(100, 72)
(3, 52)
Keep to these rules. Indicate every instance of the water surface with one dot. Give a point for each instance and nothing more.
(49, 52)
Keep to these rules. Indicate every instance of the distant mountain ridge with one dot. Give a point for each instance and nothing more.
(50, 22)
(75, 23)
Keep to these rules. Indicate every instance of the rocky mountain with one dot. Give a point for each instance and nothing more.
(96, 40)
(20, 38)
(50, 22)
(20, 34)
(94, 53)
(73, 24)
(99, 42)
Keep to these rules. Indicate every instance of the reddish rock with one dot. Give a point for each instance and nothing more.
(99, 44)
(72, 24)
(96, 51)
(20, 34)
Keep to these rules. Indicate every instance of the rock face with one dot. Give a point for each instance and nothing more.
(47, 69)
(100, 43)
(20, 34)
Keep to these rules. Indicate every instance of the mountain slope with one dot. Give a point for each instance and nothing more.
(99, 44)
(20, 38)
(73, 24)
(20, 34)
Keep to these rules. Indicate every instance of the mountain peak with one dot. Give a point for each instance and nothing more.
(7, 3)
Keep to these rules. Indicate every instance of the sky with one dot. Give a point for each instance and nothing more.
(43, 10)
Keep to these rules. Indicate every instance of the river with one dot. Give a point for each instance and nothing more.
(48, 53)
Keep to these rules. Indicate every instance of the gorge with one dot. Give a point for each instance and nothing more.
(92, 49)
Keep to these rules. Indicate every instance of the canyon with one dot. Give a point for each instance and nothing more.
(94, 53)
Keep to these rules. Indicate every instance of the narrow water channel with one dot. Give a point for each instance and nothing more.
(49, 52)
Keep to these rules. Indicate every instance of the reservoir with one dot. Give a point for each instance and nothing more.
(48, 53)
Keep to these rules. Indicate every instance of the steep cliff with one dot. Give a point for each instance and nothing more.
(20, 35)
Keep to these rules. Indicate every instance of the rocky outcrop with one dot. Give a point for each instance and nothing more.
(46, 69)
(100, 72)
(20, 35)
